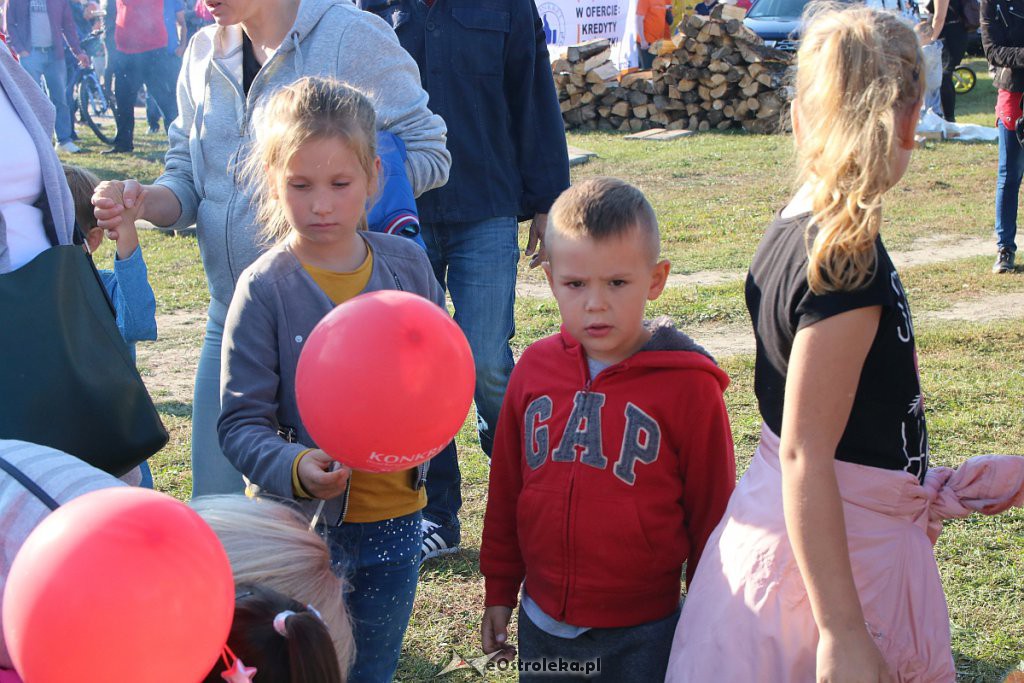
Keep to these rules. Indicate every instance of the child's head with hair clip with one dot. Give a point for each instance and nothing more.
(858, 93)
(314, 130)
(284, 640)
(270, 544)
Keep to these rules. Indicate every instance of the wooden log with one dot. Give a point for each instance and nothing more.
(729, 111)
(579, 80)
(715, 116)
(576, 53)
(640, 112)
(724, 124)
(693, 122)
(629, 79)
(561, 66)
(636, 98)
(604, 111)
(636, 125)
(718, 92)
(599, 89)
(718, 105)
(621, 109)
(604, 72)
(597, 60)
(704, 126)
(587, 98)
(566, 106)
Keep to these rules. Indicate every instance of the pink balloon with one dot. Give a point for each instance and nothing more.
(122, 584)
(385, 381)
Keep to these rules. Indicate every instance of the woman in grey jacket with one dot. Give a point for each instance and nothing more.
(230, 69)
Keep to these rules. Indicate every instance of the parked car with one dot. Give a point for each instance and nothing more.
(777, 22)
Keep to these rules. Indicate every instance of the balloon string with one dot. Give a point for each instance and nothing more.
(320, 506)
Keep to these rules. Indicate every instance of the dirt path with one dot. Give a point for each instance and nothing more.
(168, 366)
(923, 251)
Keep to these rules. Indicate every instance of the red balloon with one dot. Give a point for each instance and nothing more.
(121, 584)
(385, 381)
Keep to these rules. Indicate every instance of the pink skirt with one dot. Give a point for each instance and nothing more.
(747, 616)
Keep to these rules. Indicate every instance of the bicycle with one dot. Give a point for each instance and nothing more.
(96, 107)
(964, 80)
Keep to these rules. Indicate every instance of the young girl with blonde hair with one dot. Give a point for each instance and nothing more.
(270, 544)
(822, 568)
(315, 166)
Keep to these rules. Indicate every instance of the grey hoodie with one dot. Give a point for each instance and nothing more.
(275, 308)
(213, 132)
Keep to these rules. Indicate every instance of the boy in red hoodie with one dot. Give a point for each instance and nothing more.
(613, 459)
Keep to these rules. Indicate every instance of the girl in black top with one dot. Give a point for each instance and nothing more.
(835, 378)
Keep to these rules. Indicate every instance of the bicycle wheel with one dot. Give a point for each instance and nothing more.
(95, 109)
(964, 79)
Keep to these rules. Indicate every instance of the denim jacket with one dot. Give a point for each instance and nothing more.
(485, 65)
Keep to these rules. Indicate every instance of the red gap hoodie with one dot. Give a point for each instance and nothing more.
(600, 490)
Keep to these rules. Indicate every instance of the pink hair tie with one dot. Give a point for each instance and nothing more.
(279, 622)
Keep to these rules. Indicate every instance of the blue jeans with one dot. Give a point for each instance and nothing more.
(48, 63)
(1011, 168)
(380, 561)
(212, 473)
(476, 262)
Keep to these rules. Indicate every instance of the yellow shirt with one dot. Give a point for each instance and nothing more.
(372, 497)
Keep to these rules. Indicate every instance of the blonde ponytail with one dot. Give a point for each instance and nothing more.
(858, 73)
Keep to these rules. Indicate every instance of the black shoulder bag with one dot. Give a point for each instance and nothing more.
(67, 380)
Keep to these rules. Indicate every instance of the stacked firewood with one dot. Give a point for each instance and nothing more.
(713, 74)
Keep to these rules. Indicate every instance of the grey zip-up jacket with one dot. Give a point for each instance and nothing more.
(213, 133)
(276, 306)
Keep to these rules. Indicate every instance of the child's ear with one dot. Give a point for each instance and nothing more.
(906, 127)
(94, 237)
(546, 265)
(794, 117)
(659, 278)
(375, 184)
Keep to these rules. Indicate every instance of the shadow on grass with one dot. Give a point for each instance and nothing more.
(174, 408)
(464, 564)
(971, 670)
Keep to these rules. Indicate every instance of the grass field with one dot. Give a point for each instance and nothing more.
(713, 194)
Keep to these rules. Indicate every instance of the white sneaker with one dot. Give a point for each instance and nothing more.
(437, 540)
(68, 147)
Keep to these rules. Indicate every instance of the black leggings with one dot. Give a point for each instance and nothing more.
(954, 45)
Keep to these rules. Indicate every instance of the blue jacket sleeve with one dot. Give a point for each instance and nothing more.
(537, 128)
(394, 208)
(129, 290)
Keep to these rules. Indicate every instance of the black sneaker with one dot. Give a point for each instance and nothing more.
(117, 150)
(1004, 261)
(437, 540)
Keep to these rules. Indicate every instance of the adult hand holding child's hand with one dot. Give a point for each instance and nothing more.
(116, 202)
(318, 479)
(494, 632)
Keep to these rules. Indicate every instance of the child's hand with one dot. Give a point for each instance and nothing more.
(494, 633)
(316, 477)
(854, 660)
(117, 203)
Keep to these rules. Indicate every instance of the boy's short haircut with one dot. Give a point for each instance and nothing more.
(82, 183)
(601, 208)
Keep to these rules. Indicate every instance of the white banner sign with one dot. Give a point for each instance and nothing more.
(568, 22)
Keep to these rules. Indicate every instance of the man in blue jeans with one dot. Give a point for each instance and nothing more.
(39, 29)
(488, 75)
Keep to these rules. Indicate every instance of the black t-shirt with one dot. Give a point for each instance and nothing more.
(250, 65)
(886, 427)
